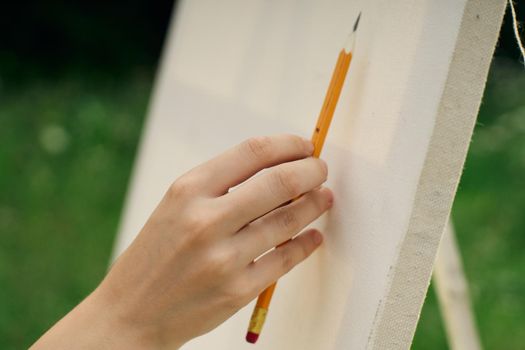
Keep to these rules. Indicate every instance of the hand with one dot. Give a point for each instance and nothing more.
(192, 265)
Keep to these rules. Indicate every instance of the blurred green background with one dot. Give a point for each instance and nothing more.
(75, 80)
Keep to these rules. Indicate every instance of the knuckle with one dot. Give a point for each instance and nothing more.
(288, 182)
(238, 294)
(197, 222)
(213, 217)
(201, 219)
(224, 261)
(287, 260)
(181, 187)
(259, 148)
(288, 220)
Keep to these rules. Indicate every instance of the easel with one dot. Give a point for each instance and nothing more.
(453, 295)
(373, 299)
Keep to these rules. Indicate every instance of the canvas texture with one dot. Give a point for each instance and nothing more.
(234, 69)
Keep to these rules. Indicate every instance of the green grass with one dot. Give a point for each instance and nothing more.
(60, 201)
(66, 152)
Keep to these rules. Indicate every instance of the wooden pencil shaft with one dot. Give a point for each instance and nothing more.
(318, 137)
(330, 102)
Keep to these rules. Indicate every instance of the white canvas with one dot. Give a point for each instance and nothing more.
(236, 68)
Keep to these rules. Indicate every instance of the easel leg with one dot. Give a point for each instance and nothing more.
(452, 291)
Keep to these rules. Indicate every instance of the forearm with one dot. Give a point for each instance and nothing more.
(94, 324)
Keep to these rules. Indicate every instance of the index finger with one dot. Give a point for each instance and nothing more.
(246, 159)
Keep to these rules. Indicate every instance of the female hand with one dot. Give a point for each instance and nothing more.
(192, 265)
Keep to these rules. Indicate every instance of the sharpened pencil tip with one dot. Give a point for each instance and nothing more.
(350, 40)
(357, 21)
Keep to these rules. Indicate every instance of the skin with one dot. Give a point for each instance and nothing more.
(194, 263)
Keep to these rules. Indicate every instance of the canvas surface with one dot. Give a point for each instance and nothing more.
(234, 69)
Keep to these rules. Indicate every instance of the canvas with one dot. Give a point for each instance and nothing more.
(233, 69)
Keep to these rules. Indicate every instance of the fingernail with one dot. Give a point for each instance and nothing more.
(318, 237)
(331, 201)
(329, 195)
(309, 146)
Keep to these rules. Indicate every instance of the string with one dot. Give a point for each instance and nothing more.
(516, 29)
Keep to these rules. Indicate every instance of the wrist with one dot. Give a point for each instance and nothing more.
(116, 328)
(98, 323)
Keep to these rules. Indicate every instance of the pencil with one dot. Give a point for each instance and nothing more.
(319, 135)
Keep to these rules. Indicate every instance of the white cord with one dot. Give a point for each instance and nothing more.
(516, 29)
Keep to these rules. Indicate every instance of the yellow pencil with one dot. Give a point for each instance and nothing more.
(318, 138)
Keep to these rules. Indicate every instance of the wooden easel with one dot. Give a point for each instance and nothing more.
(453, 295)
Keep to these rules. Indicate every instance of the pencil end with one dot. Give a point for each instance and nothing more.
(252, 337)
(256, 324)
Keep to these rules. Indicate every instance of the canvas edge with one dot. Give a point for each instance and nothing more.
(398, 314)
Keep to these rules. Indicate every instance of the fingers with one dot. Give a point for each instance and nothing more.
(281, 224)
(266, 192)
(270, 267)
(241, 162)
